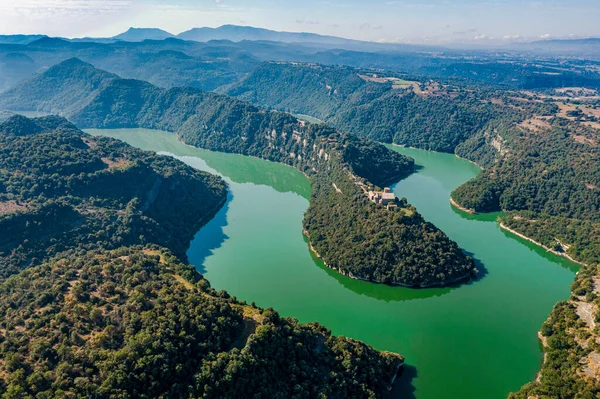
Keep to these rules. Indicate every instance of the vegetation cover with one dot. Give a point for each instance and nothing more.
(138, 323)
(220, 123)
(550, 185)
(90, 320)
(62, 189)
(373, 107)
(541, 166)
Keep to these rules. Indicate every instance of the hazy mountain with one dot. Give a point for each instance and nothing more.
(19, 39)
(66, 87)
(238, 33)
(141, 34)
(588, 48)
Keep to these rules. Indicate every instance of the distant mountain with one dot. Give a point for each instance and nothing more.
(66, 87)
(19, 39)
(141, 34)
(50, 42)
(589, 48)
(236, 33)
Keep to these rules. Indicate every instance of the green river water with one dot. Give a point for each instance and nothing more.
(473, 341)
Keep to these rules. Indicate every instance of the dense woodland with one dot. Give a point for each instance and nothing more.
(374, 109)
(553, 175)
(87, 320)
(550, 184)
(137, 323)
(544, 173)
(62, 189)
(409, 251)
(220, 123)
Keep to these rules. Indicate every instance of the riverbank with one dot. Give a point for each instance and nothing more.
(457, 206)
(563, 254)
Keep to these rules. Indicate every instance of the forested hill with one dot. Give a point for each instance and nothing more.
(61, 189)
(540, 151)
(135, 322)
(362, 239)
(549, 182)
(387, 109)
(62, 89)
(87, 320)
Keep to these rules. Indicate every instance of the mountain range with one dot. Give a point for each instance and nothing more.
(232, 33)
(236, 33)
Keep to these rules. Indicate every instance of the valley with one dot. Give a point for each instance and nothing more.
(420, 217)
(286, 276)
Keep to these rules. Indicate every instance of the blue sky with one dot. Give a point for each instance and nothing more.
(414, 21)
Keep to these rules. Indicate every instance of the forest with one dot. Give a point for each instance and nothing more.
(106, 305)
(534, 161)
(350, 100)
(62, 189)
(549, 185)
(220, 123)
(136, 322)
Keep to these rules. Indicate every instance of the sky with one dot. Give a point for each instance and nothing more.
(404, 21)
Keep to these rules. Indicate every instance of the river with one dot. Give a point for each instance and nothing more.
(470, 342)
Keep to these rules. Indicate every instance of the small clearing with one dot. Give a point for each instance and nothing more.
(586, 312)
(585, 140)
(116, 164)
(7, 207)
(535, 125)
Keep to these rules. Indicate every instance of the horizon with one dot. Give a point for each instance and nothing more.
(388, 21)
(175, 35)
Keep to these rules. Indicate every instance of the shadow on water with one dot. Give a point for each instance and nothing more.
(403, 386)
(237, 168)
(482, 271)
(209, 238)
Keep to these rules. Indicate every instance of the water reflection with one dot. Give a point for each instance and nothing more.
(564, 262)
(210, 238)
(237, 168)
(380, 292)
(492, 217)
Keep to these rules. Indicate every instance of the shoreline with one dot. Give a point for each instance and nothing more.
(561, 254)
(473, 162)
(439, 152)
(350, 275)
(461, 208)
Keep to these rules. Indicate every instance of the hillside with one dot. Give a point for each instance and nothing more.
(61, 189)
(64, 89)
(383, 108)
(136, 322)
(84, 319)
(539, 149)
(19, 39)
(571, 344)
(220, 123)
(549, 183)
